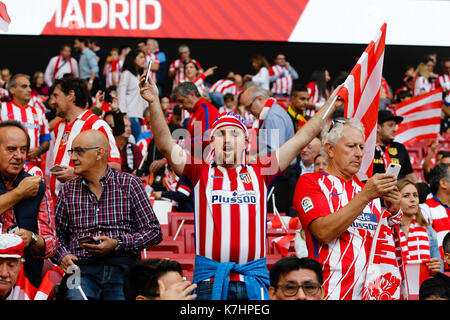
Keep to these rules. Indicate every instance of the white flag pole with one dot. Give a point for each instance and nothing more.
(275, 210)
(179, 229)
(329, 107)
(82, 293)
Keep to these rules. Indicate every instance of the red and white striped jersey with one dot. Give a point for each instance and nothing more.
(415, 246)
(225, 86)
(33, 119)
(230, 209)
(33, 170)
(314, 95)
(438, 216)
(443, 81)
(113, 66)
(422, 85)
(283, 85)
(154, 58)
(344, 260)
(64, 135)
(179, 74)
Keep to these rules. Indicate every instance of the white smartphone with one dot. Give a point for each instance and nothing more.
(394, 169)
(148, 71)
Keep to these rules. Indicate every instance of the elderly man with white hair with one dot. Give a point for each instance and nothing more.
(340, 214)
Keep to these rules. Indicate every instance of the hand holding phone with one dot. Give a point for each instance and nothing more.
(394, 169)
(88, 239)
(56, 168)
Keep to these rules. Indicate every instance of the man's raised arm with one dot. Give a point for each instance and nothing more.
(291, 148)
(160, 130)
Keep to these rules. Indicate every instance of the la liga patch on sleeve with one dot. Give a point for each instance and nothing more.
(307, 204)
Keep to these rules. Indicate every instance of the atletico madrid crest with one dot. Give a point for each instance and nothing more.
(245, 178)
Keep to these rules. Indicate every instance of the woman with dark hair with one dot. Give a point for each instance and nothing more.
(129, 98)
(261, 78)
(192, 74)
(318, 88)
(38, 85)
(414, 237)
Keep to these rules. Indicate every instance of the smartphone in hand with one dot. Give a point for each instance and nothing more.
(88, 239)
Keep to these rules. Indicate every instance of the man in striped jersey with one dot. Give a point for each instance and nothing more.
(436, 209)
(230, 200)
(340, 214)
(33, 119)
(70, 98)
(176, 68)
(282, 75)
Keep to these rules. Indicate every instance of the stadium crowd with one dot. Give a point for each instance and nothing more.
(88, 144)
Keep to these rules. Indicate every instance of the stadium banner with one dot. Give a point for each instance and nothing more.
(411, 22)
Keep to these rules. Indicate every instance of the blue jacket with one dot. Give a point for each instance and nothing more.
(256, 276)
(26, 213)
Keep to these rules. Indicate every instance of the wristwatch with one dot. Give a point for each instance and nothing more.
(34, 238)
(119, 244)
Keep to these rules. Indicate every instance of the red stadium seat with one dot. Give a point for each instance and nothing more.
(187, 261)
(272, 259)
(188, 232)
(165, 230)
(273, 249)
(175, 219)
(416, 156)
(168, 246)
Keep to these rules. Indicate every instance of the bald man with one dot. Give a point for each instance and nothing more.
(103, 220)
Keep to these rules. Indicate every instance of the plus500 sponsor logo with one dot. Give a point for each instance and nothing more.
(233, 197)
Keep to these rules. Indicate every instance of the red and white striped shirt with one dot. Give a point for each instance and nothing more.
(283, 85)
(344, 260)
(225, 86)
(422, 85)
(33, 119)
(64, 135)
(438, 216)
(443, 81)
(179, 74)
(415, 246)
(113, 66)
(230, 210)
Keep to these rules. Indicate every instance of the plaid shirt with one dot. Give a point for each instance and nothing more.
(46, 223)
(123, 210)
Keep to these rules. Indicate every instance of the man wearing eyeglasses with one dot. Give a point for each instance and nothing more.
(274, 128)
(103, 220)
(292, 278)
(70, 98)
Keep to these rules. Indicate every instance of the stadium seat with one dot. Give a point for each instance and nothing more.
(416, 156)
(273, 249)
(175, 219)
(271, 259)
(165, 230)
(188, 232)
(167, 246)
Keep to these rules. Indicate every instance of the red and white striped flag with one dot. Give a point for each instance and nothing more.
(421, 118)
(361, 94)
(282, 222)
(283, 243)
(5, 20)
(51, 278)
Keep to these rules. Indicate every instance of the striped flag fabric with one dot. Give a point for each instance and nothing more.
(5, 20)
(283, 222)
(50, 279)
(283, 243)
(421, 118)
(361, 94)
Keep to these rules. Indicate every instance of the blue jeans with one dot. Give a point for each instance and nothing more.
(135, 127)
(236, 290)
(99, 282)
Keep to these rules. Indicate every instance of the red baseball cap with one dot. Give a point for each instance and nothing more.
(11, 246)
